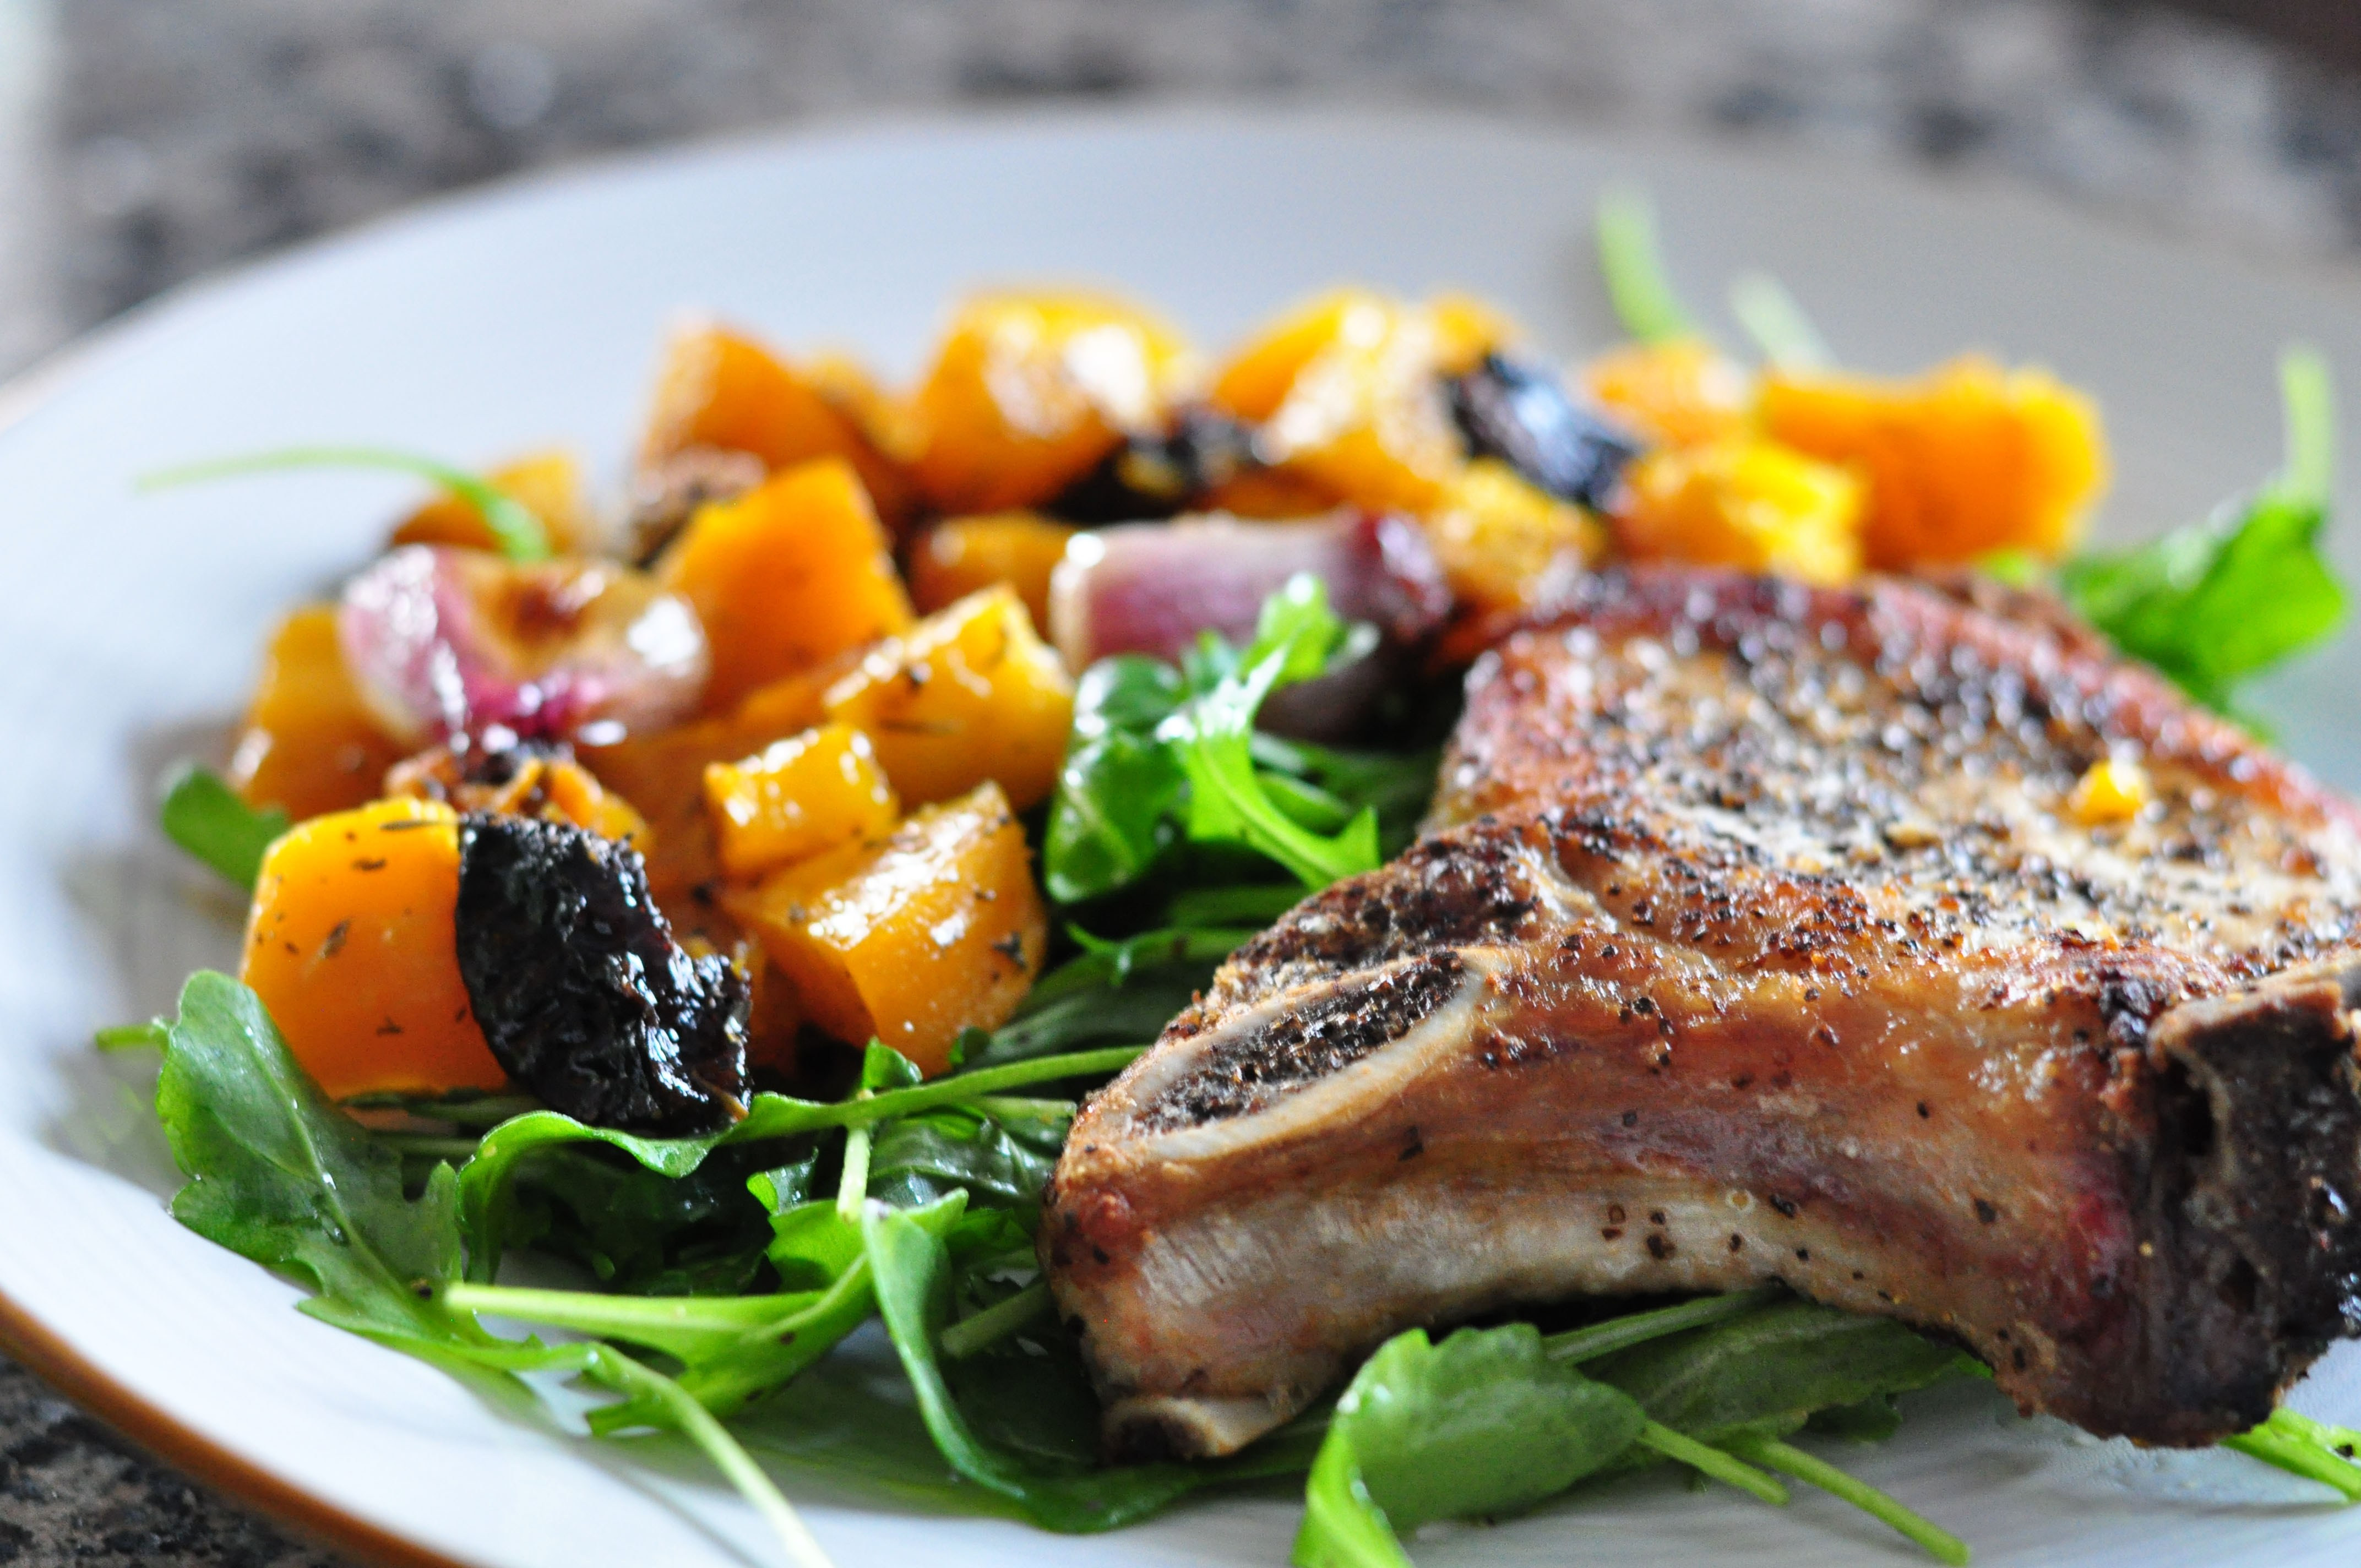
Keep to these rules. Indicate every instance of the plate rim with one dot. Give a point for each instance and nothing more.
(54, 1362)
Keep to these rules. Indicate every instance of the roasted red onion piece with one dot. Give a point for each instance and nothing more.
(455, 643)
(1151, 587)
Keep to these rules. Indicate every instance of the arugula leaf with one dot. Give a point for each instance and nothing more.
(206, 817)
(1112, 817)
(2216, 602)
(1484, 1423)
(519, 532)
(2318, 1452)
(1634, 269)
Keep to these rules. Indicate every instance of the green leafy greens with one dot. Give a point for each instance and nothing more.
(1634, 269)
(2217, 602)
(206, 817)
(519, 532)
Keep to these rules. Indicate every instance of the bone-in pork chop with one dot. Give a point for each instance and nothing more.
(1754, 937)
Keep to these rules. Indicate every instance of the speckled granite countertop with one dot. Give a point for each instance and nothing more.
(141, 143)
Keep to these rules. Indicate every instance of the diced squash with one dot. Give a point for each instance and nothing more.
(1271, 493)
(1963, 461)
(800, 796)
(962, 555)
(1346, 393)
(785, 576)
(1747, 503)
(889, 419)
(308, 742)
(938, 929)
(351, 945)
(1500, 540)
(2115, 789)
(1029, 391)
(554, 788)
(549, 485)
(1466, 330)
(1681, 393)
(719, 387)
(663, 775)
(972, 693)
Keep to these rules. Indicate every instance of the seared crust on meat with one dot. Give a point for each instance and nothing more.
(1753, 939)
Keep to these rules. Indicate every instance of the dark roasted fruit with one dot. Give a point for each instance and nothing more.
(1520, 414)
(667, 492)
(582, 992)
(1159, 474)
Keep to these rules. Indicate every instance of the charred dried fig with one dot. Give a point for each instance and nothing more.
(1520, 414)
(582, 992)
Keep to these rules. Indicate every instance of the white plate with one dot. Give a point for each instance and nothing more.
(488, 325)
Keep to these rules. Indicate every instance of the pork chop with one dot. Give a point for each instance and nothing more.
(1753, 938)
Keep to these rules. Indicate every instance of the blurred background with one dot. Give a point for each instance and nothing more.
(144, 142)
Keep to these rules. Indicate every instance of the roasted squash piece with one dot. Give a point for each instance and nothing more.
(309, 743)
(798, 797)
(720, 389)
(963, 554)
(351, 946)
(1963, 461)
(548, 484)
(553, 787)
(785, 576)
(1029, 391)
(1743, 502)
(1501, 541)
(971, 694)
(1348, 393)
(938, 929)
(1680, 393)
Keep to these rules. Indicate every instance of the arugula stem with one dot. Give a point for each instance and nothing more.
(520, 534)
(596, 1312)
(1634, 270)
(1010, 1108)
(963, 1086)
(2302, 1446)
(1620, 1333)
(1770, 1453)
(154, 1035)
(962, 1339)
(1777, 324)
(2308, 398)
(1707, 1460)
(630, 1378)
(855, 1187)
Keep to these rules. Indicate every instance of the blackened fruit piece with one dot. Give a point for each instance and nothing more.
(582, 992)
(1161, 473)
(1520, 413)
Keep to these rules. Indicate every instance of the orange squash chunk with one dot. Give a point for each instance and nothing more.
(1747, 503)
(351, 946)
(1680, 393)
(784, 577)
(1345, 393)
(1967, 459)
(938, 929)
(548, 484)
(308, 742)
(971, 694)
(1029, 391)
(718, 388)
(962, 555)
(808, 793)
(1503, 542)
(553, 788)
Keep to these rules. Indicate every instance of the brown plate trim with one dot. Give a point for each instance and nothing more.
(32, 1345)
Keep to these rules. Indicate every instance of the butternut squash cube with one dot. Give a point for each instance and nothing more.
(548, 484)
(1747, 503)
(971, 694)
(785, 576)
(1346, 393)
(1963, 461)
(719, 387)
(1029, 391)
(963, 554)
(1681, 393)
(808, 793)
(1500, 540)
(351, 945)
(309, 743)
(938, 929)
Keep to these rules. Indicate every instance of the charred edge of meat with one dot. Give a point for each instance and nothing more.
(1520, 413)
(666, 494)
(2250, 1203)
(1159, 472)
(1241, 1074)
(583, 994)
